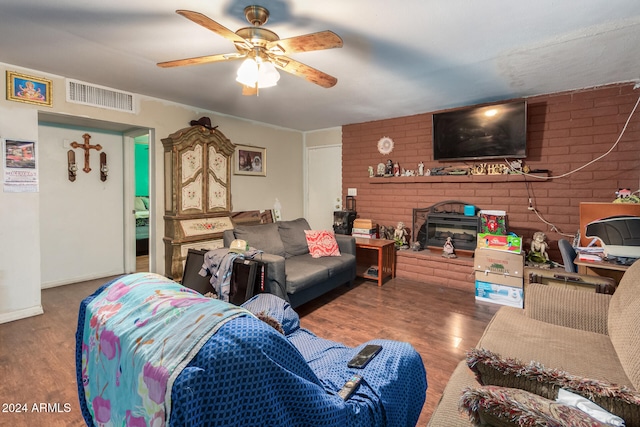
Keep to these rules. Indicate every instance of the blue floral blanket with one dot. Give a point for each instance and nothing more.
(138, 333)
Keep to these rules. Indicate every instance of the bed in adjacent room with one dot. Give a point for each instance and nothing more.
(141, 207)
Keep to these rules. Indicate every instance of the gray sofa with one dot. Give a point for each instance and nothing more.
(292, 273)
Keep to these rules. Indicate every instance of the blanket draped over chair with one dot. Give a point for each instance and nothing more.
(138, 334)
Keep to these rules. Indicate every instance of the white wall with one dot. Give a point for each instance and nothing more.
(21, 214)
(284, 169)
(81, 222)
(330, 136)
(19, 230)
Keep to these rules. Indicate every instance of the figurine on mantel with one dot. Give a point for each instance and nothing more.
(448, 251)
(388, 171)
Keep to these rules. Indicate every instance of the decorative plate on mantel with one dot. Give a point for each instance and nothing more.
(385, 145)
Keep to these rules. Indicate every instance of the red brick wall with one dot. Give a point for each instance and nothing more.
(565, 131)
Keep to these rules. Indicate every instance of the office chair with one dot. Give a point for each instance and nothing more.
(568, 255)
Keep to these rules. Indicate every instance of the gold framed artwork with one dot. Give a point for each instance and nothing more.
(29, 89)
(249, 160)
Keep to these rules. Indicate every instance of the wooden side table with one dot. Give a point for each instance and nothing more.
(379, 253)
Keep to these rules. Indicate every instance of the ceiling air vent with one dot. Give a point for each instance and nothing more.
(99, 96)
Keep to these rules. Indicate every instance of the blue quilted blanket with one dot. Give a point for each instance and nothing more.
(138, 334)
(248, 374)
(394, 385)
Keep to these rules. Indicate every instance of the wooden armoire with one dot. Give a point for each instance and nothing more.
(197, 164)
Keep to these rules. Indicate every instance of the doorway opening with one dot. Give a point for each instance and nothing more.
(142, 201)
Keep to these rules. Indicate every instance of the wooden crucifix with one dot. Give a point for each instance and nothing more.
(86, 147)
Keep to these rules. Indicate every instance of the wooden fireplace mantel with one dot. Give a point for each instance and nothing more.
(457, 178)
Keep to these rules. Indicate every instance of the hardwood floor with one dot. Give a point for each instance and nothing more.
(37, 362)
(142, 263)
(440, 323)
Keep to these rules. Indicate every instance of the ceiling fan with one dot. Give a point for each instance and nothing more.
(263, 51)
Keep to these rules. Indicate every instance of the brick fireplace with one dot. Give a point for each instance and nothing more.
(433, 225)
(564, 131)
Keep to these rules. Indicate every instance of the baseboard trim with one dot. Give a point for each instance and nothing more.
(21, 314)
(73, 280)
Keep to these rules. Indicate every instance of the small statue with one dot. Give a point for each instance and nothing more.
(448, 251)
(388, 171)
(370, 171)
(420, 168)
(515, 166)
(396, 169)
(386, 232)
(538, 253)
(400, 235)
(624, 195)
(383, 231)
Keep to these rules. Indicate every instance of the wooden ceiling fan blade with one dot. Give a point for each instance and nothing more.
(201, 60)
(217, 28)
(306, 43)
(306, 72)
(249, 90)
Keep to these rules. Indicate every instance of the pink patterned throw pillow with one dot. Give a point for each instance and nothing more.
(322, 243)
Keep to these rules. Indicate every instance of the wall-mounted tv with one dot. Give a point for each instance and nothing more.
(487, 132)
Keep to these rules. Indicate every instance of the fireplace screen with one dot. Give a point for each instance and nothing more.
(432, 226)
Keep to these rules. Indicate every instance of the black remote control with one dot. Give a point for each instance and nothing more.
(350, 386)
(365, 355)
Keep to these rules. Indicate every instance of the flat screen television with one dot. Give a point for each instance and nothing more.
(487, 132)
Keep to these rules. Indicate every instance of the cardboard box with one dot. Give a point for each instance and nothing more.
(500, 279)
(492, 221)
(503, 263)
(500, 242)
(499, 294)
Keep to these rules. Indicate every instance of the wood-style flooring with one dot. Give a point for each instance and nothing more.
(37, 365)
(142, 263)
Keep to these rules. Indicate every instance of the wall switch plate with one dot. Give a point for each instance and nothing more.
(352, 191)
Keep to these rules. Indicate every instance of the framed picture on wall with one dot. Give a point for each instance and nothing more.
(29, 89)
(249, 160)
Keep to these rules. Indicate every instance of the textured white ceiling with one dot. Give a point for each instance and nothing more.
(399, 58)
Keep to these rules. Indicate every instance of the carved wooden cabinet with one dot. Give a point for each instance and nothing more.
(197, 164)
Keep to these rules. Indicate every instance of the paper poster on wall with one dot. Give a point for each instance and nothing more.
(20, 166)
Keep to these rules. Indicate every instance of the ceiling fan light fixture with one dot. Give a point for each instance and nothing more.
(268, 76)
(263, 73)
(263, 51)
(248, 72)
